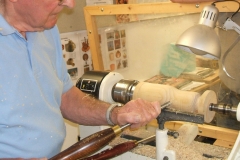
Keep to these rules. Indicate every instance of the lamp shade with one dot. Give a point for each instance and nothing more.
(201, 40)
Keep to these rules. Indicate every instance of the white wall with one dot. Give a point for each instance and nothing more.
(146, 43)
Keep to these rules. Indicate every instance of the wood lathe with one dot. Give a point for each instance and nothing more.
(181, 105)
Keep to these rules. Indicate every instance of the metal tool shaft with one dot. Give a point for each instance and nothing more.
(146, 140)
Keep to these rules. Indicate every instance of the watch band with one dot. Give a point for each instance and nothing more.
(108, 114)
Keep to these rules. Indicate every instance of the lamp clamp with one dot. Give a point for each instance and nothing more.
(230, 25)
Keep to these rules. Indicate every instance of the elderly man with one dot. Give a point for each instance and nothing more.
(35, 89)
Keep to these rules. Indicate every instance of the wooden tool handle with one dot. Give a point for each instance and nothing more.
(87, 146)
(113, 152)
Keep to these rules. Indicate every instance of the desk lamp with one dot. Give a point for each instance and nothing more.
(201, 39)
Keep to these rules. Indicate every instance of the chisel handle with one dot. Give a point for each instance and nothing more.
(90, 144)
(113, 152)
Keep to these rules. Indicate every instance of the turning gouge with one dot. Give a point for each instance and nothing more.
(90, 144)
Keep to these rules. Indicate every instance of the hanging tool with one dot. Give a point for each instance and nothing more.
(90, 144)
(119, 149)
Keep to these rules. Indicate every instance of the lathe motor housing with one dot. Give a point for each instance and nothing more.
(107, 86)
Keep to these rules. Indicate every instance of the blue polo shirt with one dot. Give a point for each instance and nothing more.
(33, 77)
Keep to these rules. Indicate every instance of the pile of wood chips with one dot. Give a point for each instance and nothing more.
(195, 150)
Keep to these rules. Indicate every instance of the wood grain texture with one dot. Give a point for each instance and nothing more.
(87, 146)
(113, 152)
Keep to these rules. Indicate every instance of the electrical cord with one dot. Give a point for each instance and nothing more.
(226, 1)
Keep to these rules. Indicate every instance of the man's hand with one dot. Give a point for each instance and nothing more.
(136, 112)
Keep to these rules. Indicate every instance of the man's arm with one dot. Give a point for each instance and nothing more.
(87, 110)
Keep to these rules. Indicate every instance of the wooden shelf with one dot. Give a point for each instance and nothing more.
(209, 81)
